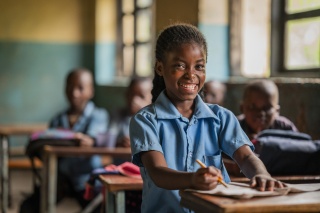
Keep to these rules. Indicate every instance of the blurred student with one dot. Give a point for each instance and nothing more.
(138, 95)
(83, 117)
(88, 122)
(260, 109)
(213, 92)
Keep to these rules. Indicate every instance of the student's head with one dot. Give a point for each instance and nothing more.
(213, 92)
(181, 55)
(79, 88)
(260, 104)
(138, 93)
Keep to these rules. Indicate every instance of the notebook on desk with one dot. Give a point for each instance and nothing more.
(243, 191)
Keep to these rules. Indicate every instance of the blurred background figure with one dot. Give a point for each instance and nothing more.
(138, 95)
(260, 109)
(213, 92)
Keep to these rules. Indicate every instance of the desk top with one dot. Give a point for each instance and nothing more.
(293, 202)
(114, 182)
(87, 151)
(286, 179)
(21, 129)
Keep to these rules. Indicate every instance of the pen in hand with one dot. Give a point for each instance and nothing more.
(219, 178)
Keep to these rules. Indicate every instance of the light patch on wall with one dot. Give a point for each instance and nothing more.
(58, 21)
(213, 12)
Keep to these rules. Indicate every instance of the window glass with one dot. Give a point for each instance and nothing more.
(296, 6)
(144, 3)
(143, 25)
(127, 6)
(144, 67)
(128, 29)
(128, 53)
(303, 43)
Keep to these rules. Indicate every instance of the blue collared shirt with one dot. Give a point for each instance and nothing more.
(93, 121)
(211, 130)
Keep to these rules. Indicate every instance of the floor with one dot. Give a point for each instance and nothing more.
(21, 187)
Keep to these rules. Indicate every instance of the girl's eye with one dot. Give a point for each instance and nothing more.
(180, 66)
(200, 67)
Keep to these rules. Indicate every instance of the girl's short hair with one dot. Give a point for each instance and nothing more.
(169, 38)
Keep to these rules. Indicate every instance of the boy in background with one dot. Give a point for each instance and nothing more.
(260, 109)
(88, 121)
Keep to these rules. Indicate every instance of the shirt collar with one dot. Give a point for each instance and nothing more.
(166, 110)
(88, 109)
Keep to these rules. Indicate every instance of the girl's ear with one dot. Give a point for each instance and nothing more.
(159, 68)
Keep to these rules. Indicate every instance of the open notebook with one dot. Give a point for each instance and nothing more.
(243, 191)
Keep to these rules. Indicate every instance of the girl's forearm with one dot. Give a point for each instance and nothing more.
(170, 179)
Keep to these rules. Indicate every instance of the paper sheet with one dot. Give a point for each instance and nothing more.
(243, 191)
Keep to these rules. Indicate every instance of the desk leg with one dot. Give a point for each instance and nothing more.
(120, 202)
(49, 184)
(4, 173)
(109, 201)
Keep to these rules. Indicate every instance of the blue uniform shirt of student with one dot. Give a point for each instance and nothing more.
(94, 121)
(160, 127)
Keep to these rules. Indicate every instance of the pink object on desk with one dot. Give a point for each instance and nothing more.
(53, 134)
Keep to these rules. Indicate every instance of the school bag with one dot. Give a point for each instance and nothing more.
(285, 152)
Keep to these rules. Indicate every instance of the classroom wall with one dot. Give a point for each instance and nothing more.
(214, 24)
(40, 41)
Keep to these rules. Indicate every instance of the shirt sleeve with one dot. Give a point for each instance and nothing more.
(231, 136)
(143, 136)
(98, 123)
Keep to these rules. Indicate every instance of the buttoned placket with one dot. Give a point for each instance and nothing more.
(191, 145)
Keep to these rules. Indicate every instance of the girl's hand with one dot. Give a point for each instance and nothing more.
(265, 183)
(206, 178)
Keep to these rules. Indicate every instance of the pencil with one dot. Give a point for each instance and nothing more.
(219, 178)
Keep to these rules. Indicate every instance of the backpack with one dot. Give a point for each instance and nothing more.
(34, 148)
(285, 152)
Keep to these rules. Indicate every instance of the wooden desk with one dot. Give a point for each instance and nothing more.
(285, 179)
(115, 187)
(294, 202)
(49, 172)
(5, 132)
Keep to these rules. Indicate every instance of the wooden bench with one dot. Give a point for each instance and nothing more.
(23, 163)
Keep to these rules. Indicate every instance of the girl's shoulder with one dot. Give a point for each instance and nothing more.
(147, 111)
(220, 111)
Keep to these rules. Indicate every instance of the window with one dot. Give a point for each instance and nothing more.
(295, 44)
(250, 38)
(135, 35)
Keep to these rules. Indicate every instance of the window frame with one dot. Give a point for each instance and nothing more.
(120, 45)
(277, 58)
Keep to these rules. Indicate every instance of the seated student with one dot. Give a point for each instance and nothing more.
(83, 117)
(138, 95)
(88, 121)
(260, 108)
(213, 92)
(169, 135)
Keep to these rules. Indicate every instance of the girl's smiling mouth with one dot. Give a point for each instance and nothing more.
(190, 87)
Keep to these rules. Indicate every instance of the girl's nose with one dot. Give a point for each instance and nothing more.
(190, 74)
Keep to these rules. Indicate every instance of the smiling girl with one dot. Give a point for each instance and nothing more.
(178, 127)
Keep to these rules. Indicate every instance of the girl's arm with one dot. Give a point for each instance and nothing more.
(164, 177)
(254, 169)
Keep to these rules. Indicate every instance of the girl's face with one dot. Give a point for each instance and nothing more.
(183, 71)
